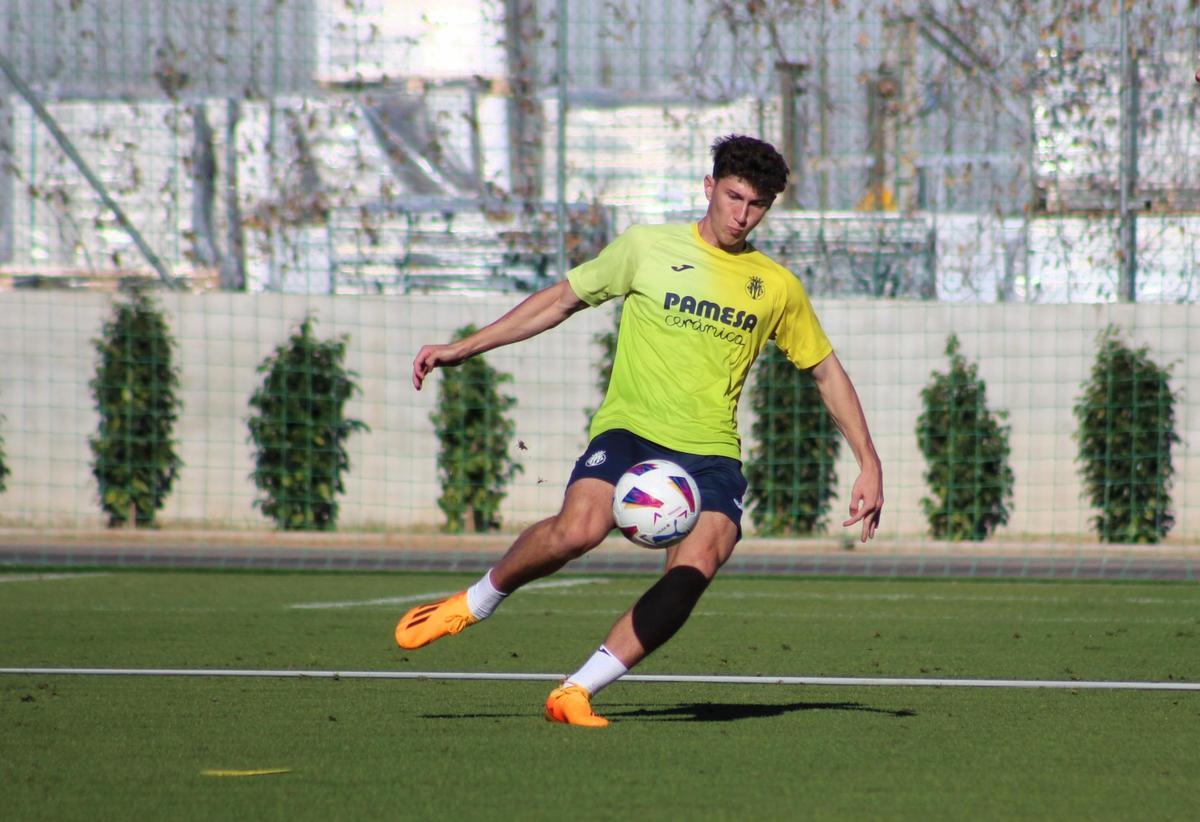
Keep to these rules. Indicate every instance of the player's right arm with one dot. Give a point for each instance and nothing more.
(536, 313)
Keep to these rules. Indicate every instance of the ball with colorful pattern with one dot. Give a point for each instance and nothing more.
(656, 503)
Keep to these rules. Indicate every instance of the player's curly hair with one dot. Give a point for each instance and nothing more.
(755, 161)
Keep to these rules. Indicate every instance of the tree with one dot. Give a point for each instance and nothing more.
(473, 461)
(792, 469)
(1126, 417)
(300, 429)
(133, 452)
(4, 469)
(966, 452)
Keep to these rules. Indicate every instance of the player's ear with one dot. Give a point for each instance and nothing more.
(709, 183)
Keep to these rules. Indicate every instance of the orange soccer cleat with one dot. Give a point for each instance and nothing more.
(572, 705)
(434, 620)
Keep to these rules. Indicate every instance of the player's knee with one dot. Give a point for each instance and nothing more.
(706, 566)
(705, 563)
(575, 536)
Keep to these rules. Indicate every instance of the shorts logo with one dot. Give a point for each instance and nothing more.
(595, 459)
(738, 503)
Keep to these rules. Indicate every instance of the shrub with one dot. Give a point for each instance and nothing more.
(4, 469)
(792, 469)
(1126, 417)
(474, 435)
(134, 388)
(300, 429)
(966, 452)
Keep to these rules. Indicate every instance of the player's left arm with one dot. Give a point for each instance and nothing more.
(839, 396)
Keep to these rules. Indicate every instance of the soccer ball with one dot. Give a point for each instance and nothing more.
(656, 503)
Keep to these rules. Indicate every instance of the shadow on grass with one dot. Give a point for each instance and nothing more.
(730, 711)
(706, 711)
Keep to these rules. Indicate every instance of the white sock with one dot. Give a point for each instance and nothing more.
(483, 598)
(600, 671)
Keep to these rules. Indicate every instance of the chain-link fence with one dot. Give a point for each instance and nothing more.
(965, 151)
(400, 166)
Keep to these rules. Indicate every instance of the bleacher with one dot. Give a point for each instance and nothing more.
(845, 254)
(854, 254)
(455, 245)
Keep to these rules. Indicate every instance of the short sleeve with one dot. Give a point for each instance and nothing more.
(609, 274)
(799, 334)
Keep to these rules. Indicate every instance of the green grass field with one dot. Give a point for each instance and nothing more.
(83, 747)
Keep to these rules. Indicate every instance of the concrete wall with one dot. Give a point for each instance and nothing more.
(1033, 359)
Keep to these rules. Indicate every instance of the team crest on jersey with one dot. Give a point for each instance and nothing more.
(754, 287)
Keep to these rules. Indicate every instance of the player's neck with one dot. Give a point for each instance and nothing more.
(704, 227)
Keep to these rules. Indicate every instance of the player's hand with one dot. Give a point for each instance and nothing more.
(429, 358)
(866, 503)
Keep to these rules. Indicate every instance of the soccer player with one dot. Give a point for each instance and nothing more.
(700, 304)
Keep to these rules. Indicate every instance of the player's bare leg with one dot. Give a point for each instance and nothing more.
(583, 522)
(666, 606)
(654, 618)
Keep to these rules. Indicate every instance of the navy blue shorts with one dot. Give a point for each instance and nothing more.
(722, 484)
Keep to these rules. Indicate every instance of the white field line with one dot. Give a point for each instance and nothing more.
(1071, 685)
(818, 615)
(817, 596)
(621, 588)
(46, 577)
(926, 597)
(432, 595)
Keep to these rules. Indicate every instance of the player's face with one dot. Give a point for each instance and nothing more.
(734, 209)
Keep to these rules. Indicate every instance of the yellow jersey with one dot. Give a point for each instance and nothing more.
(694, 320)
